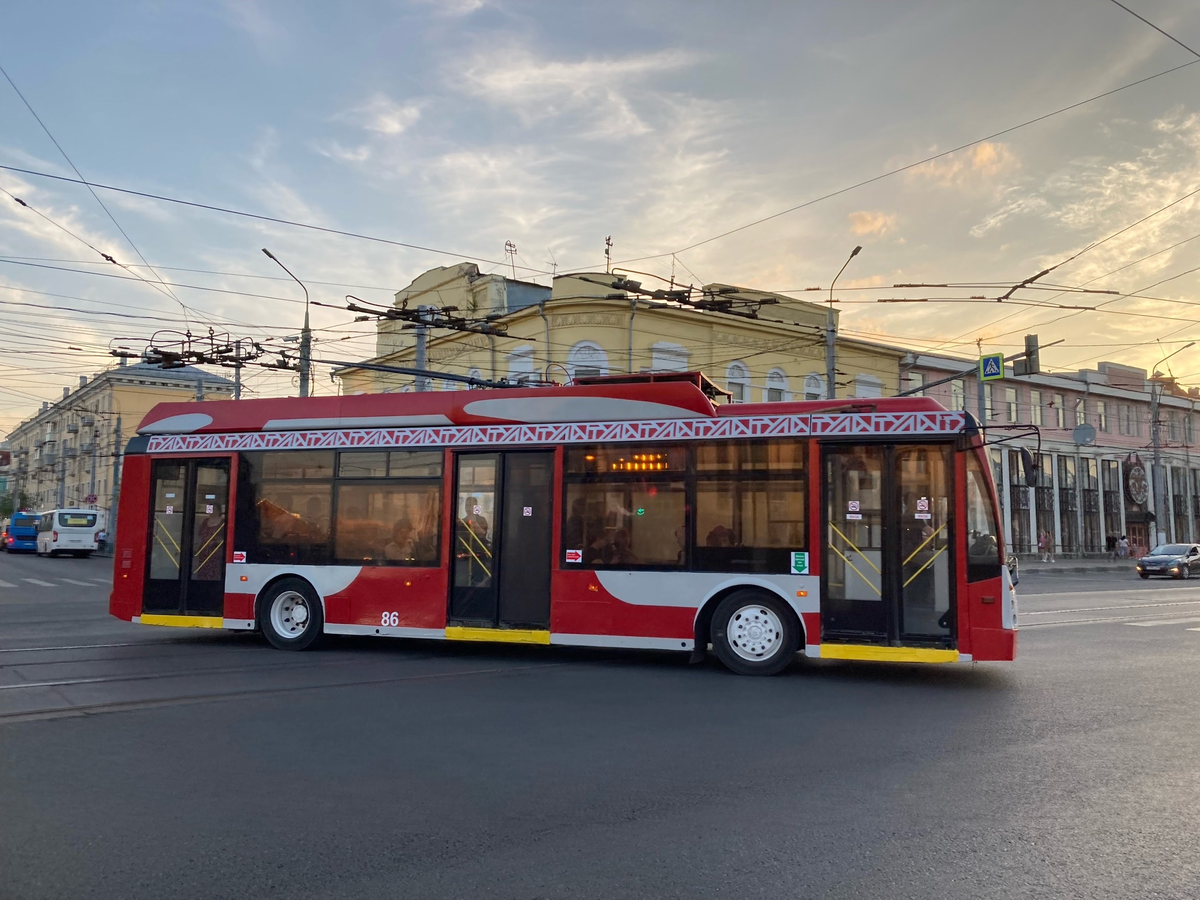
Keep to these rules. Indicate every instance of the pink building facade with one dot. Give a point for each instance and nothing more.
(1096, 478)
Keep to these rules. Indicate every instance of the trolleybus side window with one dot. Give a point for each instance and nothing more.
(983, 542)
(627, 506)
(382, 508)
(750, 505)
(396, 521)
(286, 498)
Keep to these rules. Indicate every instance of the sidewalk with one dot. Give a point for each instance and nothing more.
(1076, 567)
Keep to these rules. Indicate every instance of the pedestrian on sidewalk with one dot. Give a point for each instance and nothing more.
(1046, 546)
(1123, 547)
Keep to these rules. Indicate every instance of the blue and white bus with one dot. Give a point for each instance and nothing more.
(21, 532)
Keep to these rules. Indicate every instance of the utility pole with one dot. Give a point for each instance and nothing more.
(1158, 482)
(423, 383)
(305, 333)
(1156, 464)
(62, 477)
(116, 489)
(92, 479)
(831, 334)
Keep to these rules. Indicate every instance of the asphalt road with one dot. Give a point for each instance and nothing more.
(140, 762)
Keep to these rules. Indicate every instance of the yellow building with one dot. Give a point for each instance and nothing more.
(599, 324)
(70, 450)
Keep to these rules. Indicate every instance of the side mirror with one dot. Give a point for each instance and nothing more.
(1031, 472)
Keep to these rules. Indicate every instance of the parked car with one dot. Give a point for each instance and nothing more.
(1173, 560)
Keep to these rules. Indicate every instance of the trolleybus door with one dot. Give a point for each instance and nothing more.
(186, 574)
(502, 539)
(888, 569)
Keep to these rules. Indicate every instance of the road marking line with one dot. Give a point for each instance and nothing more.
(1051, 612)
(1165, 622)
(80, 583)
(102, 580)
(7, 584)
(1194, 629)
(39, 581)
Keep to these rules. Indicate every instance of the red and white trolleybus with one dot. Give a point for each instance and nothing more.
(620, 512)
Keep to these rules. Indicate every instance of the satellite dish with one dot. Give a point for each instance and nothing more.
(1084, 435)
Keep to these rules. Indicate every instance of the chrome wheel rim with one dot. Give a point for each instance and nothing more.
(755, 633)
(290, 614)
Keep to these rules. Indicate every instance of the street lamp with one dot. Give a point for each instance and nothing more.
(831, 334)
(305, 334)
(1158, 481)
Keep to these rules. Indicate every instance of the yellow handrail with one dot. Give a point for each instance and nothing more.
(855, 568)
(923, 543)
(854, 548)
(928, 563)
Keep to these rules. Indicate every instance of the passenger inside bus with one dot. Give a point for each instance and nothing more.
(402, 546)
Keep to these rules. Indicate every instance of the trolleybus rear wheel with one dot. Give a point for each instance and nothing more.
(755, 633)
(290, 615)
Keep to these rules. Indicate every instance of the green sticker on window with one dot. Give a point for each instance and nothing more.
(799, 562)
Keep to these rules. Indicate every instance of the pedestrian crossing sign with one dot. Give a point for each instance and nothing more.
(991, 367)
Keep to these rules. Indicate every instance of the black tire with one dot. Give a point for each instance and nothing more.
(774, 641)
(1143, 574)
(276, 614)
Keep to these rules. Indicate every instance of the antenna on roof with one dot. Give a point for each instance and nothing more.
(608, 254)
(510, 250)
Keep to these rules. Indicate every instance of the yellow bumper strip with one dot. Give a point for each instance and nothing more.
(888, 654)
(184, 621)
(501, 635)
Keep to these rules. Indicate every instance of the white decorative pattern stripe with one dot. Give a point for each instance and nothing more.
(848, 425)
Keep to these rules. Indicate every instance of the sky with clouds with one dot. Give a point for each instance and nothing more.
(461, 125)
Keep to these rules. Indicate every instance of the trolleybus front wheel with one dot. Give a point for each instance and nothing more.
(755, 633)
(290, 615)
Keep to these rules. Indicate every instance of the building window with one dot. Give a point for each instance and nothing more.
(777, 387)
(737, 382)
(1189, 434)
(1081, 411)
(1089, 492)
(1035, 408)
(586, 359)
(1110, 483)
(1018, 493)
(1058, 412)
(867, 386)
(1101, 415)
(914, 383)
(958, 394)
(1010, 405)
(989, 402)
(814, 387)
(1172, 426)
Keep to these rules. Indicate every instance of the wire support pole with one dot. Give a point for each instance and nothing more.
(305, 333)
(831, 334)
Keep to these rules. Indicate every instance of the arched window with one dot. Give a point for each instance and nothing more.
(777, 387)
(475, 373)
(737, 381)
(814, 387)
(520, 365)
(587, 358)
